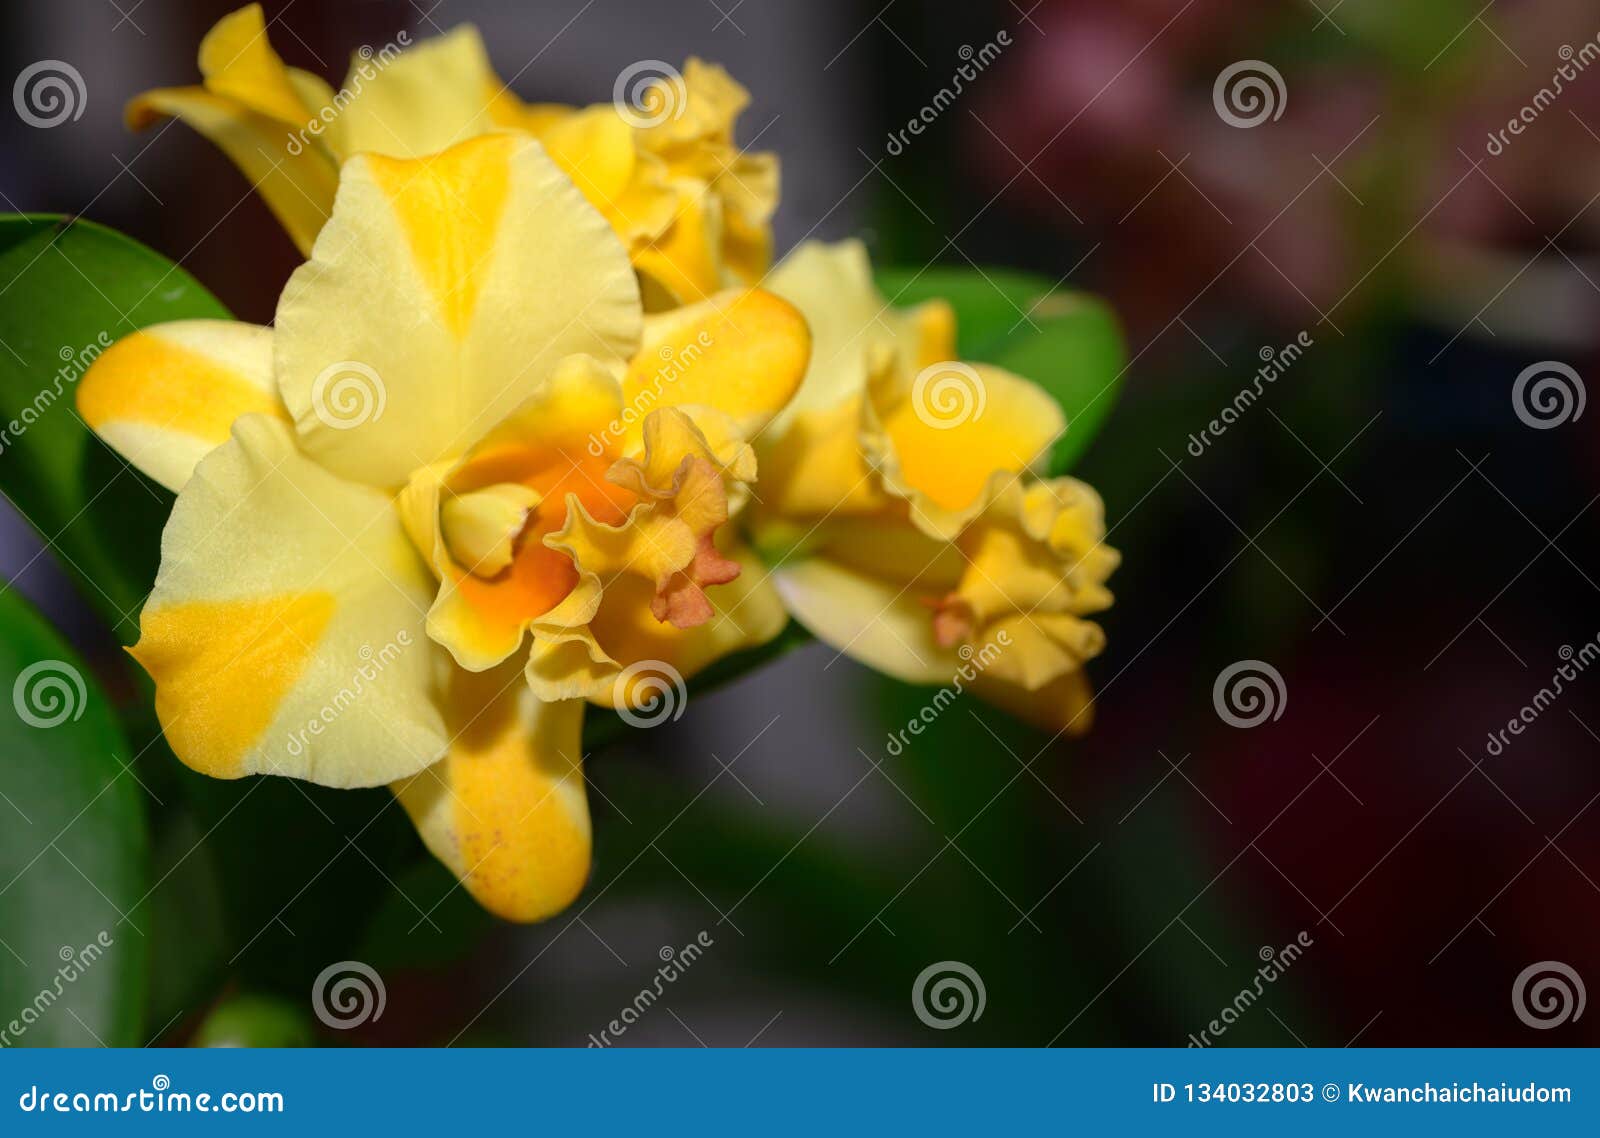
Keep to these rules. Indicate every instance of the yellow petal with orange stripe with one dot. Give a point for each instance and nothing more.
(455, 282)
(166, 396)
(285, 632)
(505, 810)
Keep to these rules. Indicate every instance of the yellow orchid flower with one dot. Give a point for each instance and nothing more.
(693, 209)
(461, 430)
(903, 512)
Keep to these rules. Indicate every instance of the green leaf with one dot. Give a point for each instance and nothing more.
(1078, 356)
(189, 942)
(68, 290)
(73, 848)
(1069, 343)
(991, 306)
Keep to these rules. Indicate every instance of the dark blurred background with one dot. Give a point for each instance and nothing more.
(1383, 527)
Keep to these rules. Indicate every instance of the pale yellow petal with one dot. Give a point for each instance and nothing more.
(874, 620)
(428, 98)
(166, 396)
(445, 290)
(479, 526)
(285, 632)
(850, 320)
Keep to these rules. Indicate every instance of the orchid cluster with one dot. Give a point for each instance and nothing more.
(538, 415)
